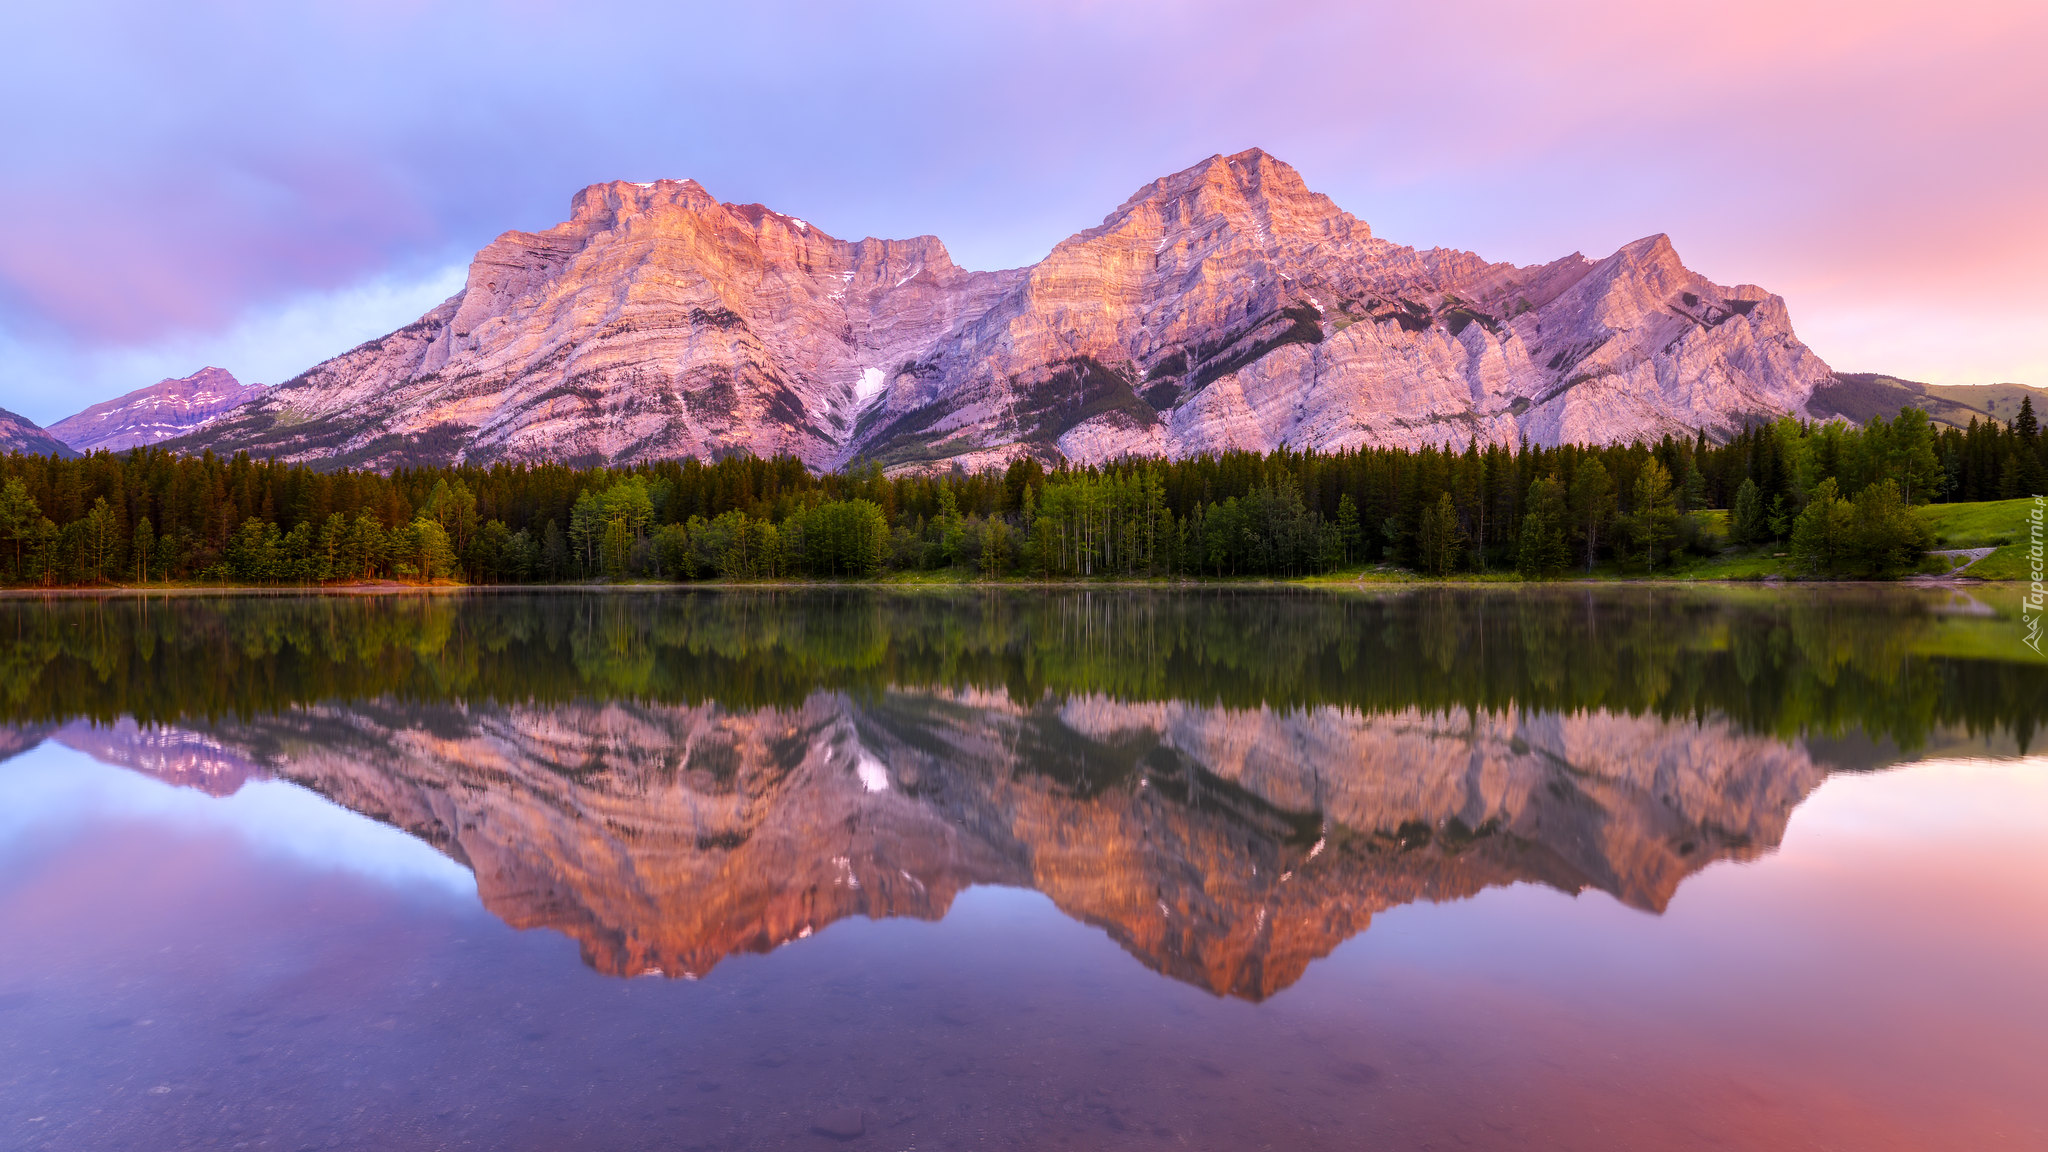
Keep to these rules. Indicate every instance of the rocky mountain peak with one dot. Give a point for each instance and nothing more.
(606, 205)
(1250, 193)
(1646, 281)
(167, 408)
(1224, 306)
(1651, 251)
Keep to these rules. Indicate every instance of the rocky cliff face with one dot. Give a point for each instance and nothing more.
(656, 322)
(1225, 848)
(1226, 306)
(21, 434)
(159, 412)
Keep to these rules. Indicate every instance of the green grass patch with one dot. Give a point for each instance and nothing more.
(2011, 562)
(1979, 525)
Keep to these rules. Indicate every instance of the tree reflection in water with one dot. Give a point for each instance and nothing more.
(1229, 783)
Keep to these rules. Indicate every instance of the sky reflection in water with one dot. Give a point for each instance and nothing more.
(1490, 929)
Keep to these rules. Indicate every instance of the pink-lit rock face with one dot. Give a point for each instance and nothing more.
(1225, 306)
(149, 415)
(1226, 848)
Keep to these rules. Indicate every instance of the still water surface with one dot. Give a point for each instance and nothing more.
(1628, 868)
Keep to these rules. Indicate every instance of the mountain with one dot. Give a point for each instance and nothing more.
(149, 415)
(1858, 396)
(1225, 306)
(20, 434)
(1226, 848)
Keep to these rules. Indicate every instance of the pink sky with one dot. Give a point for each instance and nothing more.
(262, 186)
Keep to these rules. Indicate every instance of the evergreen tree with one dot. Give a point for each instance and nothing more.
(1592, 504)
(19, 518)
(554, 551)
(143, 549)
(363, 554)
(2029, 474)
(1653, 520)
(1694, 493)
(1747, 523)
(1911, 462)
(299, 558)
(1348, 533)
(1439, 538)
(1543, 550)
(331, 544)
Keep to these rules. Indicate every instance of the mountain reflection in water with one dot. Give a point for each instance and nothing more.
(1230, 785)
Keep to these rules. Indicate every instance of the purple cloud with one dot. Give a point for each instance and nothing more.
(173, 169)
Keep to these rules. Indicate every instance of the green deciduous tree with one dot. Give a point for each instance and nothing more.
(255, 554)
(426, 549)
(365, 551)
(101, 540)
(1824, 533)
(842, 538)
(1890, 537)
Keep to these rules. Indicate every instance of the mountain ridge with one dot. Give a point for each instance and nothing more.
(1859, 396)
(1223, 306)
(20, 434)
(171, 407)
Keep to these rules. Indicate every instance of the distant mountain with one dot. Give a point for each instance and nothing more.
(20, 434)
(149, 415)
(1858, 396)
(1225, 306)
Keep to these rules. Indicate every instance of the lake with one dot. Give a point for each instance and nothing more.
(1546, 867)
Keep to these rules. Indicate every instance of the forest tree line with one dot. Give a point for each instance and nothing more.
(1838, 499)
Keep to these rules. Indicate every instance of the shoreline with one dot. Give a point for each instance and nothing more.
(398, 588)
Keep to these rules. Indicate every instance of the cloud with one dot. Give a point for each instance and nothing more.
(268, 344)
(187, 164)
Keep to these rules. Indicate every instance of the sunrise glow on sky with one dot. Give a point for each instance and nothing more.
(262, 186)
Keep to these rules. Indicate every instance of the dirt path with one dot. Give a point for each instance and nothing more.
(1961, 558)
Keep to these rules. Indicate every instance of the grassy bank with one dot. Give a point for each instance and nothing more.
(2002, 524)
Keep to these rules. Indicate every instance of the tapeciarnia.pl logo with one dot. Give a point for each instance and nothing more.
(2037, 593)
